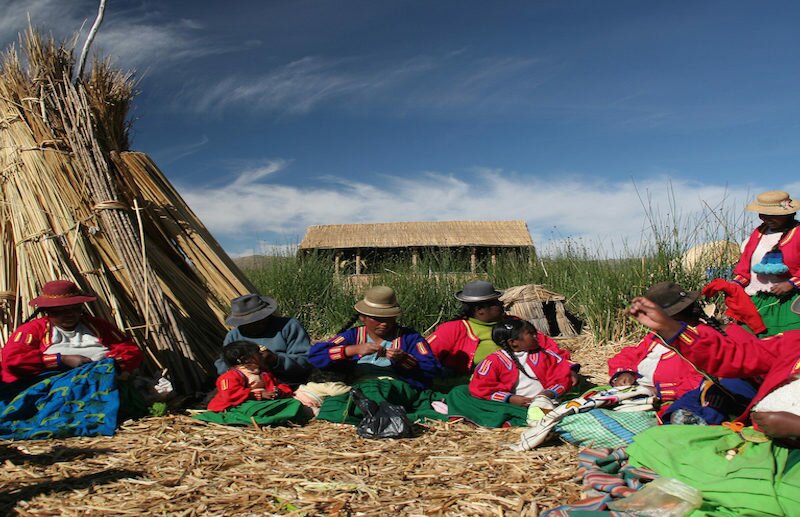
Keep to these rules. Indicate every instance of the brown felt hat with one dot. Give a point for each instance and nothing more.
(671, 297)
(379, 302)
(774, 202)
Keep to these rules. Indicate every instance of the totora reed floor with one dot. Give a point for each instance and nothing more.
(175, 465)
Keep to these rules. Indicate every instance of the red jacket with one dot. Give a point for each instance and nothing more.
(740, 354)
(497, 375)
(454, 344)
(673, 376)
(789, 246)
(23, 355)
(233, 389)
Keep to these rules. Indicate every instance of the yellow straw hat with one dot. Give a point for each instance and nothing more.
(774, 202)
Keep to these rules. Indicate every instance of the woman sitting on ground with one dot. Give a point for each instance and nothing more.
(77, 357)
(769, 269)
(286, 342)
(388, 361)
(462, 343)
(673, 379)
(740, 471)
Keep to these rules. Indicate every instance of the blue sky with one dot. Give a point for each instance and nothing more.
(269, 116)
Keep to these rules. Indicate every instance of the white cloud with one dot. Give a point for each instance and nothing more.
(612, 213)
(445, 81)
(132, 37)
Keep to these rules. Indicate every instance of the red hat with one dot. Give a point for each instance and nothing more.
(60, 293)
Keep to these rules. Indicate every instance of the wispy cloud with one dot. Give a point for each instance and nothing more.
(615, 213)
(449, 80)
(172, 154)
(134, 37)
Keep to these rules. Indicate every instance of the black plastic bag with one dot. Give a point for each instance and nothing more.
(382, 420)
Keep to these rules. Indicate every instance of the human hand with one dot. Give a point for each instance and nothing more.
(73, 361)
(269, 359)
(652, 316)
(777, 424)
(519, 400)
(782, 288)
(624, 379)
(363, 349)
(396, 355)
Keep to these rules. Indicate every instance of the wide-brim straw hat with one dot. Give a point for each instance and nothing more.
(60, 293)
(671, 297)
(379, 302)
(249, 309)
(478, 291)
(774, 202)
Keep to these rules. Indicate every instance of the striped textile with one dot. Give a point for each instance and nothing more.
(606, 476)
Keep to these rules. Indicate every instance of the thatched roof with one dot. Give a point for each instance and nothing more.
(444, 234)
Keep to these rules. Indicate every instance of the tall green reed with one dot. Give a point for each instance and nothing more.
(597, 279)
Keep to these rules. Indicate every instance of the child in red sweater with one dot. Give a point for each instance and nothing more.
(247, 379)
(522, 373)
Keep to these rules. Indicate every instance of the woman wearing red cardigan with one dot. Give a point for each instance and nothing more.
(769, 268)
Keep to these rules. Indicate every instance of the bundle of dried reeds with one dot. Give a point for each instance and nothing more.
(74, 204)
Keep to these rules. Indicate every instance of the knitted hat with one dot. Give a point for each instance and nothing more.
(60, 293)
(774, 202)
(379, 302)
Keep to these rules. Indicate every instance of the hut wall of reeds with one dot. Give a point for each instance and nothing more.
(75, 203)
(350, 244)
(542, 307)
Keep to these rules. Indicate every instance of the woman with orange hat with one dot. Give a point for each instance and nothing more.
(78, 354)
(769, 268)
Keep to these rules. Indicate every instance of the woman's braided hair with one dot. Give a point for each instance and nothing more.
(510, 329)
(694, 313)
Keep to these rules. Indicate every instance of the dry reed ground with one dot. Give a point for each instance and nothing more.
(178, 466)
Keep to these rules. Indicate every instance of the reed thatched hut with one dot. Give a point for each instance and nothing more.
(77, 204)
(352, 246)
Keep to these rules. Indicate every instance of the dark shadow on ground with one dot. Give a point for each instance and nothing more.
(9, 498)
(55, 455)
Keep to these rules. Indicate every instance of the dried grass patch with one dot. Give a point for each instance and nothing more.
(178, 466)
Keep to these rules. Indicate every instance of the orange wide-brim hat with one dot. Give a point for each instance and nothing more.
(60, 293)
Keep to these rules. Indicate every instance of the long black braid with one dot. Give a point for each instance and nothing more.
(694, 314)
(777, 246)
(510, 329)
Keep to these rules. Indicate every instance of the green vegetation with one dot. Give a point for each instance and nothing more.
(597, 282)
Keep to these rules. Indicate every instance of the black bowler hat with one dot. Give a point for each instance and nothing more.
(478, 291)
(671, 297)
(250, 308)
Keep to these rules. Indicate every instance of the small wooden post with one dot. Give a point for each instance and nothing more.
(414, 258)
(473, 260)
(358, 261)
(337, 258)
(494, 258)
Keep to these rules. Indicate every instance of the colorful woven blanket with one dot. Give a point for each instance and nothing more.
(80, 402)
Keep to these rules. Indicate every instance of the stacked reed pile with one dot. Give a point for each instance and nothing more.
(75, 204)
(530, 301)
